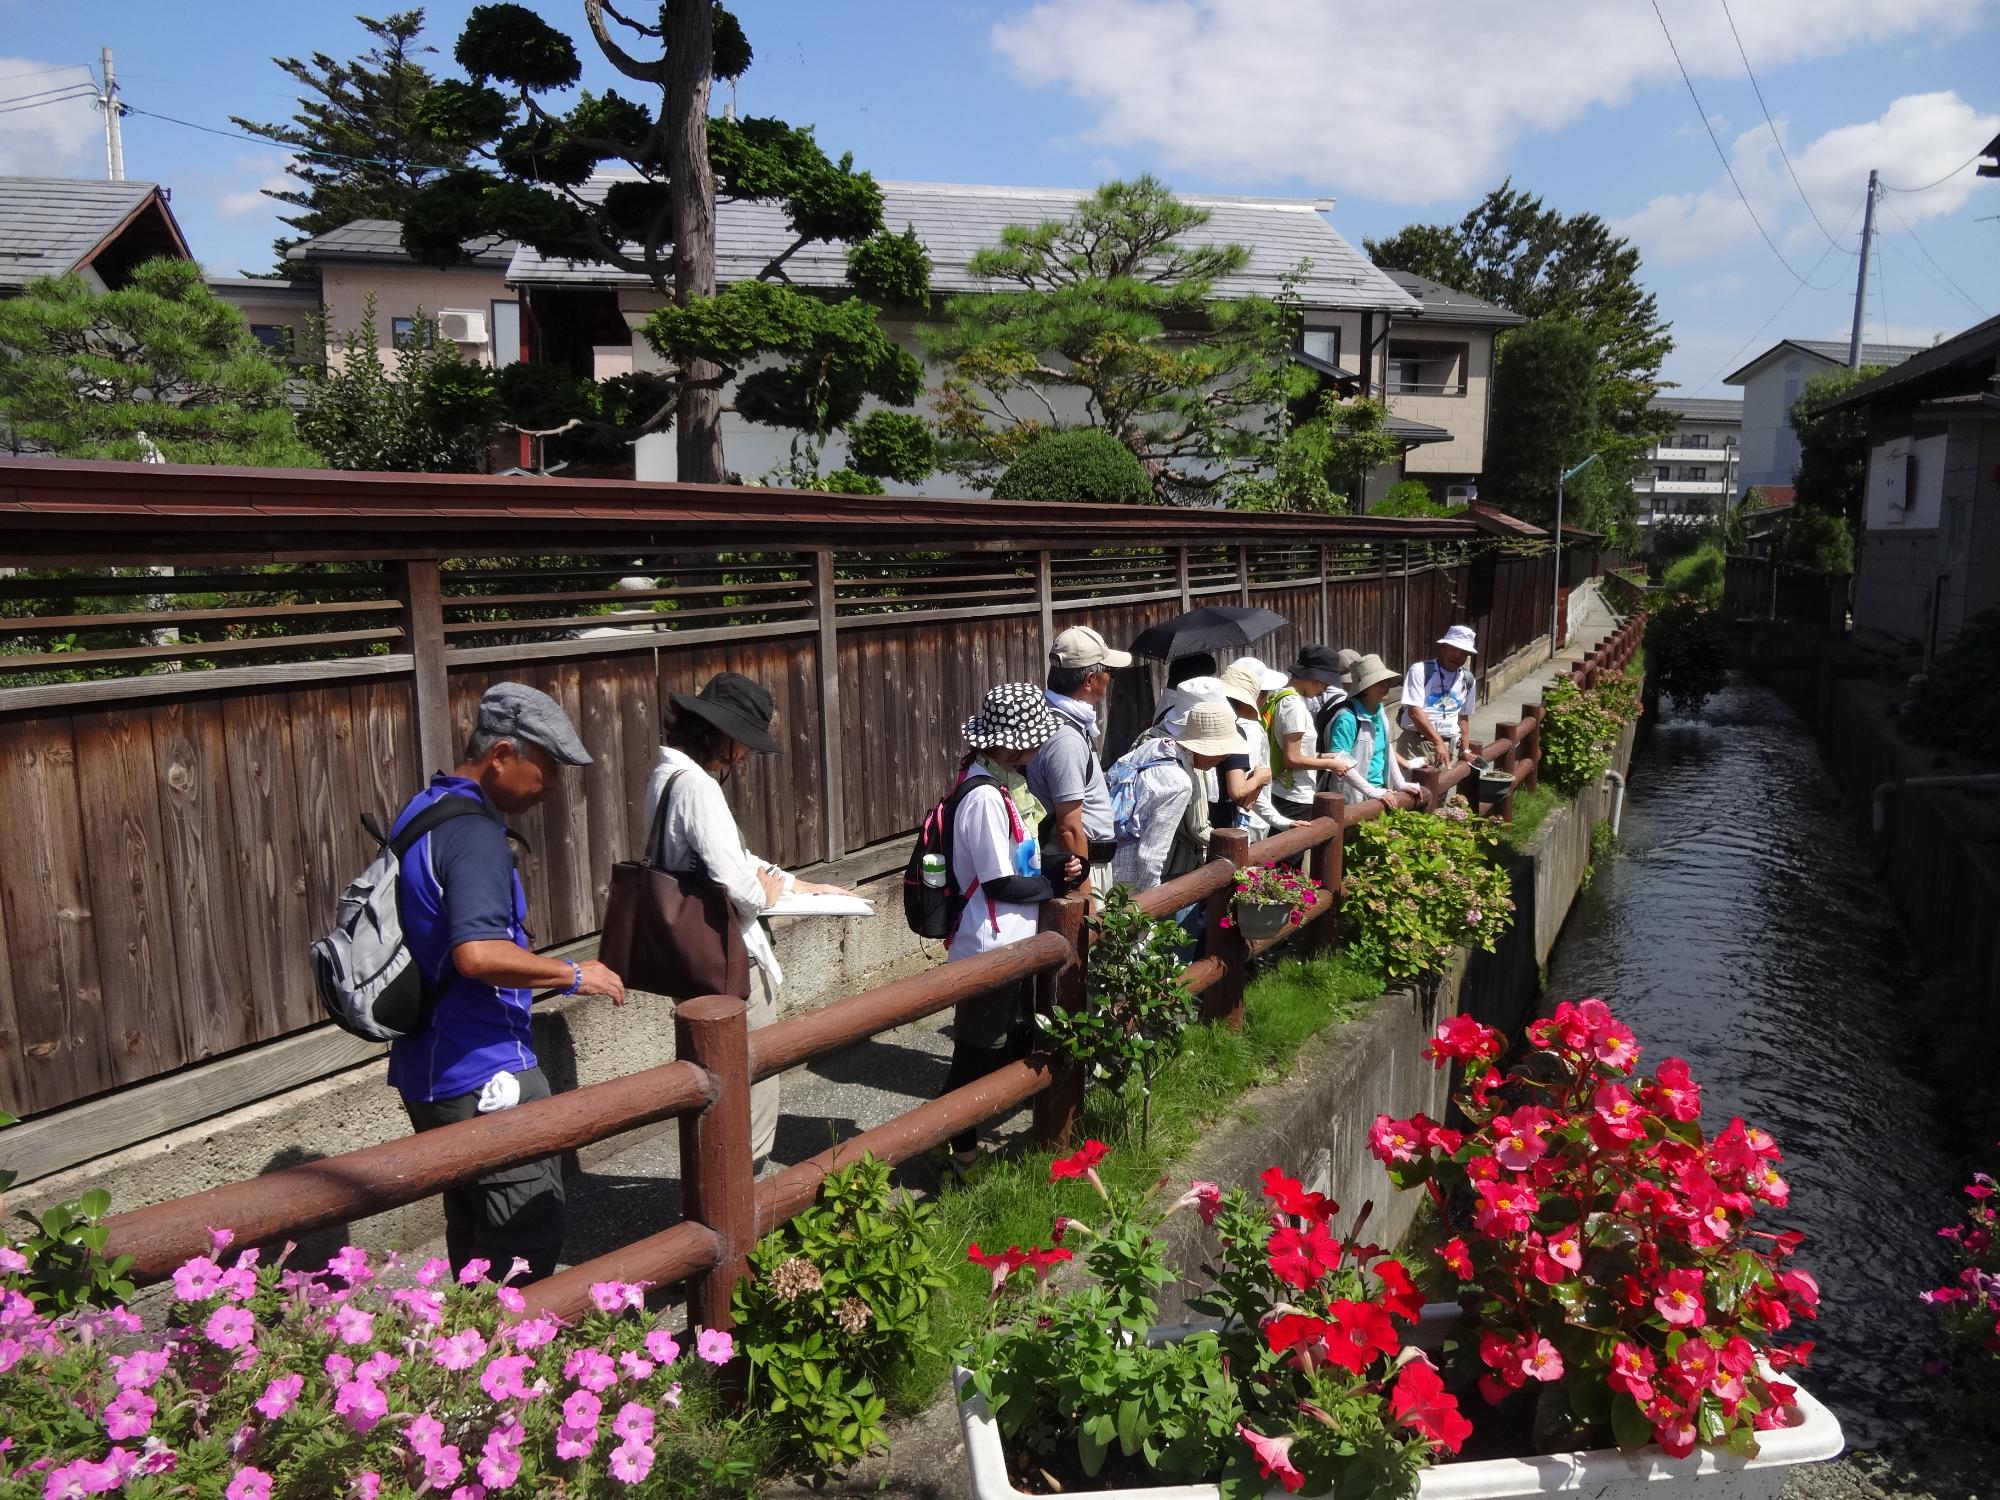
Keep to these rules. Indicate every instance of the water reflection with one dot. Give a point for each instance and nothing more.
(1740, 928)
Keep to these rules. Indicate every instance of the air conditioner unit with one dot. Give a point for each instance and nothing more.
(462, 326)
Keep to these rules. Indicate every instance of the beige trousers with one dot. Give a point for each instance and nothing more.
(762, 1010)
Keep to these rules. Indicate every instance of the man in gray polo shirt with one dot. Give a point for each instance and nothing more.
(1066, 776)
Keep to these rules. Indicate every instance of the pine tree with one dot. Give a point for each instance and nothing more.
(362, 149)
(160, 367)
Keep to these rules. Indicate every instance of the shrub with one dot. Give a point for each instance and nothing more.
(1580, 729)
(1082, 463)
(360, 1379)
(1138, 1010)
(839, 1299)
(1418, 887)
(1816, 539)
(1687, 653)
(1607, 1260)
(892, 445)
(1307, 1382)
(1958, 705)
(1699, 574)
(1411, 497)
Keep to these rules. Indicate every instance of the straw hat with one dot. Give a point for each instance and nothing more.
(1240, 685)
(1013, 716)
(1368, 671)
(1210, 730)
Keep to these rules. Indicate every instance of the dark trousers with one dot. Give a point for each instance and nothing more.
(516, 1211)
(1008, 1014)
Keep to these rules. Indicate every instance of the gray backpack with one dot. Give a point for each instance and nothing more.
(369, 982)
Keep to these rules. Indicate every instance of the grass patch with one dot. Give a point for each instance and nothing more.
(1531, 809)
(1010, 1200)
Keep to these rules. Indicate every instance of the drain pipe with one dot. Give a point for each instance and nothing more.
(1881, 814)
(1617, 800)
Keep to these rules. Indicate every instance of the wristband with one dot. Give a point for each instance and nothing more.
(576, 971)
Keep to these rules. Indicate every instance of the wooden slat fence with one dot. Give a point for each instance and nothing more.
(197, 704)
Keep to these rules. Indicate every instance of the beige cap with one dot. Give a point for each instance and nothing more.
(1368, 671)
(1240, 684)
(1210, 729)
(1080, 646)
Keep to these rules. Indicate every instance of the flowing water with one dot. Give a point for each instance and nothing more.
(1739, 925)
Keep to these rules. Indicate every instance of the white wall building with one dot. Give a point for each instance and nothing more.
(1691, 472)
(591, 315)
(1771, 383)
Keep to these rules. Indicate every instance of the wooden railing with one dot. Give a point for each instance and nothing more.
(707, 1087)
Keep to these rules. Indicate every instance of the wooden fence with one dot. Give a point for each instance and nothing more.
(207, 675)
(1761, 588)
(707, 1087)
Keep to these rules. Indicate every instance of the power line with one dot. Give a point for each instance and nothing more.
(1963, 294)
(272, 140)
(1723, 156)
(1944, 179)
(42, 72)
(1775, 137)
(1730, 362)
(14, 109)
(68, 88)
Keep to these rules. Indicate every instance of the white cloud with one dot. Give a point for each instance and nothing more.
(1916, 140)
(234, 205)
(43, 134)
(1719, 286)
(1352, 96)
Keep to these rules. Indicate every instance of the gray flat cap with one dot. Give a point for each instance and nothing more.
(520, 712)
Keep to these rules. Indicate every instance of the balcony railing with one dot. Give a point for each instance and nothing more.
(1423, 388)
(1694, 455)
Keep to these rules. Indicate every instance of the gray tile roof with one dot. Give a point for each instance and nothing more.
(382, 239)
(49, 224)
(1833, 349)
(1443, 304)
(1968, 360)
(1700, 408)
(1413, 432)
(954, 220)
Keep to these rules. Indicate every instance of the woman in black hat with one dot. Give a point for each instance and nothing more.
(707, 737)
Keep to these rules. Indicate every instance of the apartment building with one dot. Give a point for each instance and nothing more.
(1691, 473)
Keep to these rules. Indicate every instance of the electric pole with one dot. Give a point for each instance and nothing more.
(114, 139)
(1861, 285)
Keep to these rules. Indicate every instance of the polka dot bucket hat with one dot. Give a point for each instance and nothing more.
(1013, 716)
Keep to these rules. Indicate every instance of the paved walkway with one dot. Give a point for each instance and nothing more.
(1593, 620)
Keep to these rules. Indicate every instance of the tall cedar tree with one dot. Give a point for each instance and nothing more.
(656, 220)
(90, 374)
(361, 150)
(1542, 264)
(1545, 418)
(1109, 319)
(1832, 475)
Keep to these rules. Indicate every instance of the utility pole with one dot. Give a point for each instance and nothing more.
(114, 139)
(1861, 284)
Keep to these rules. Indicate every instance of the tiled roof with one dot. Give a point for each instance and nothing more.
(1443, 304)
(1700, 408)
(48, 225)
(382, 239)
(955, 220)
(1833, 349)
(1413, 432)
(1969, 358)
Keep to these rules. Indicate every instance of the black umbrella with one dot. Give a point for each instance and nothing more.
(1213, 627)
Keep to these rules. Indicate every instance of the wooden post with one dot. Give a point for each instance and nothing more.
(1045, 593)
(1506, 762)
(1533, 711)
(1404, 655)
(1327, 864)
(1186, 581)
(1223, 1000)
(1058, 1105)
(716, 1186)
(1242, 573)
(832, 771)
(430, 688)
(1325, 595)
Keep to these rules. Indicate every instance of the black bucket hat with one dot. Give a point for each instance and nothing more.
(740, 708)
(1318, 664)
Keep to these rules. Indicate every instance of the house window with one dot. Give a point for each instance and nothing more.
(410, 333)
(1694, 440)
(1663, 472)
(506, 334)
(1695, 472)
(1321, 343)
(1426, 369)
(276, 337)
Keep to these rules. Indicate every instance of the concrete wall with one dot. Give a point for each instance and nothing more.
(402, 292)
(1931, 536)
(1464, 417)
(1770, 447)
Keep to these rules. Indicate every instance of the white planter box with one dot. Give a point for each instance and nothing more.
(1600, 1474)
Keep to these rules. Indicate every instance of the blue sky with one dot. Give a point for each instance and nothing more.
(1399, 112)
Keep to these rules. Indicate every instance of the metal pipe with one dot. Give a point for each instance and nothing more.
(1880, 819)
(1617, 800)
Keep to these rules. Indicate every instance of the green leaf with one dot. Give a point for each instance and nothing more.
(1629, 1426)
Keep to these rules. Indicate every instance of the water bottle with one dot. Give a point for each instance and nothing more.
(934, 871)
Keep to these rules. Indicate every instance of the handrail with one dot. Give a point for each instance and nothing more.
(355, 1184)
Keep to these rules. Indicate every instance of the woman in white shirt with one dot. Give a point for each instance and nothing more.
(996, 868)
(707, 737)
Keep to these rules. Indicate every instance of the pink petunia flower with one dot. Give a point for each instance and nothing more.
(362, 1404)
(635, 1365)
(350, 1264)
(715, 1346)
(461, 1351)
(367, 1485)
(663, 1346)
(534, 1333)
(249, 1484)
(634, 1422)
(510, 1298)
(432, 1270)
(474, 1272)
(130, 1415)
(582, 1409)
(230, 1327)
(631, 1462)
(591, 1368)
(502, 1379)
(1274, 1457)
(279, 1396)
(575, 1442)
(443, 1465)
(139, 1369)
(12, 1260)
(425, 1435)
(197, 1279)
(353, 1326)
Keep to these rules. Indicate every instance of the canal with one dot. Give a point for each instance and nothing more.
(1739, 926)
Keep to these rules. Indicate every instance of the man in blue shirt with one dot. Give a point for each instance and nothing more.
(464, 917)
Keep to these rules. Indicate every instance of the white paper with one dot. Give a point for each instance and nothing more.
(799, 904)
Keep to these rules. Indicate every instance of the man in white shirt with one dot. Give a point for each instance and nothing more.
(1437, 694)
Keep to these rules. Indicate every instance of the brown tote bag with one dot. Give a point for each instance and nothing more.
(672, 932)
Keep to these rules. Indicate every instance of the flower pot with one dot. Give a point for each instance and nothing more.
(1260, 921)
(1600, 1473)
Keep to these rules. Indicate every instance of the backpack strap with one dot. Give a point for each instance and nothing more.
(451, 805)
(947, 824)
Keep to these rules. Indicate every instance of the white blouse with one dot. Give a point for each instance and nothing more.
(700, 828)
